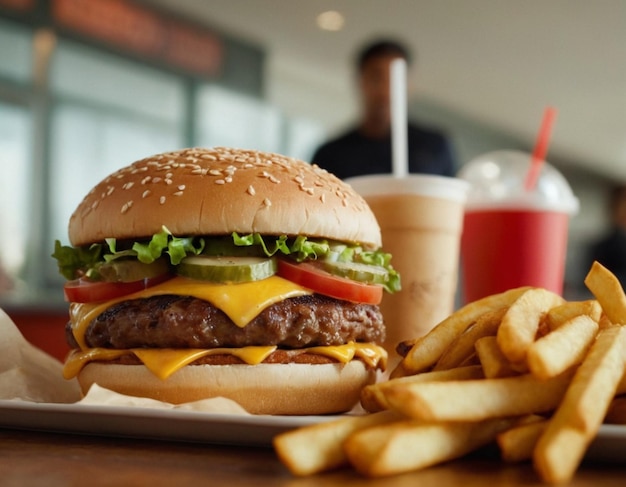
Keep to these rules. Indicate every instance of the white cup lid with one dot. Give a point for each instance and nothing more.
(428, 185)
(497, 181)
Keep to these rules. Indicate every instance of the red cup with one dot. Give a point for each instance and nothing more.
(513, 236)
(505, 249)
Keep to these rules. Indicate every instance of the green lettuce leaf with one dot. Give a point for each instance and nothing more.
(72, 260)
(75, 262)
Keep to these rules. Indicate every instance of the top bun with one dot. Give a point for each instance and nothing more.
(219, 191)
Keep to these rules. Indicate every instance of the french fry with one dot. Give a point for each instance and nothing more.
(520, 323)
(462, 347)
(585, 404)
(608, 291)
(556, 461)
(477, 400)
(567, 345)
(373, 398)
(317, 448)
(492, 360)
(596, 381)
(409, 445)
(560, 315)
(517, 444)
(617, 411)
(427, 350)
(536, 354)
(604, 322)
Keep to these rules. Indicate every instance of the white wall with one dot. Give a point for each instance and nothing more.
(301, 91)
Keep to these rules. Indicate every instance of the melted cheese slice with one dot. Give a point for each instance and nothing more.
(165, 362)
(241, 302)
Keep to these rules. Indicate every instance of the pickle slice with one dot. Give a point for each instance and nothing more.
(227, 269)
(132, 270)
(356, 271)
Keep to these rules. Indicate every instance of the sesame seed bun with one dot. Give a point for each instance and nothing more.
(219, 191)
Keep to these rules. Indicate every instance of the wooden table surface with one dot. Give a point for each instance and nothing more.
(48, 459)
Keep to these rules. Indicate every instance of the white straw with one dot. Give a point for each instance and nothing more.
(399, 143)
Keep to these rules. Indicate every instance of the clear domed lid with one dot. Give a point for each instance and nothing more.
(497, 181)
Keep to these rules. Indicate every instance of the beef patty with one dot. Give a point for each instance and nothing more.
(172, 321)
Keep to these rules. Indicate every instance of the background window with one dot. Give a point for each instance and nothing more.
(107, 113)
(15, 52)
(15, 157)
(226, 118)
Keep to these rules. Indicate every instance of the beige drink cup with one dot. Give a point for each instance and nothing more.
(421, 219)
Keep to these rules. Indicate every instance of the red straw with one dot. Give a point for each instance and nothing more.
(541, 148)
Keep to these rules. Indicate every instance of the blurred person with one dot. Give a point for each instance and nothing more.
(366, 148)
(610, 250)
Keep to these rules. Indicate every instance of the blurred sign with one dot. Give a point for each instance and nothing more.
(20, 5)
(138, 29)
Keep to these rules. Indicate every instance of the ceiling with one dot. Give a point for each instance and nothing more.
(499, 62)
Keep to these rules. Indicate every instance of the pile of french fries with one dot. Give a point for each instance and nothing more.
(524, 368)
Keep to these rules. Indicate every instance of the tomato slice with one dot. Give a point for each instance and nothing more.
(85, 291)
(310, 276)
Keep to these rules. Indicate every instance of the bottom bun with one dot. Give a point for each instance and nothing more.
(260, 389)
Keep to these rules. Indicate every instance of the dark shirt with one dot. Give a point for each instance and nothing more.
(611, 253)
(354, 154)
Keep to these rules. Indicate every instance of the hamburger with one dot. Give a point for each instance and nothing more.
(226, 272)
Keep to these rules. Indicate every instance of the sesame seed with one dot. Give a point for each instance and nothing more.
(168, 181)
(228, 179)
(127, 206)
(309, 190)
(169, 175)
(248, 166)
(146, 193)
(215, 172)
(181, 187)
(298, 179)
(128, 185)
(178, 193)
(198, 170)
(110, 190)
(323, 198)
(251, 190)
(146, 179)
(273, 179)
(162, 199)
(267, 202)
(220, 181)
(94, 205)
(156, 180)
